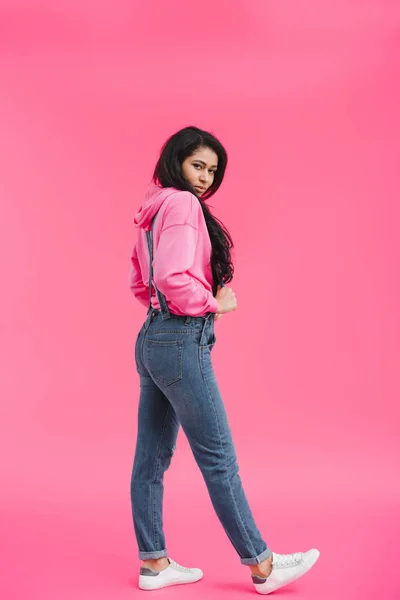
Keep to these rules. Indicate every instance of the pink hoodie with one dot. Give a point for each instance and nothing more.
(181, 253)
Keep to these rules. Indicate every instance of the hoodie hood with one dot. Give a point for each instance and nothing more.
(154, 198)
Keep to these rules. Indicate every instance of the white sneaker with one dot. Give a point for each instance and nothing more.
(286, 568)
(174, 574)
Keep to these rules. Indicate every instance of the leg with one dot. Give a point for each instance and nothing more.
(199, 407)
(157, 432)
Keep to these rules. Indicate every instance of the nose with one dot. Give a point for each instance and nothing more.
(204, 177)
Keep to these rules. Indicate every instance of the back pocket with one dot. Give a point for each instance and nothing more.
(165, 361)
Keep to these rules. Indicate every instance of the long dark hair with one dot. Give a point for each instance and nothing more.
(168, 173)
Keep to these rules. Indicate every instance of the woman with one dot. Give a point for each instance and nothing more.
(180, 265)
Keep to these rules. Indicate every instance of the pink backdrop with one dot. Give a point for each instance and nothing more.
(305, 97)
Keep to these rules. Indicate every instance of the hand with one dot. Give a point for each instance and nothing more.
(226, 299)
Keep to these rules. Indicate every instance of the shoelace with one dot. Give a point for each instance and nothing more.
(286, 560)
(179, 567)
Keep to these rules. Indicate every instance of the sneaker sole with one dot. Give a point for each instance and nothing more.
(149, 586)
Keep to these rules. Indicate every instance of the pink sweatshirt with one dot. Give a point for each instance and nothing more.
(181, 253)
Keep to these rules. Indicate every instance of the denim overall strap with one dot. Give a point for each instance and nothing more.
(161, 298)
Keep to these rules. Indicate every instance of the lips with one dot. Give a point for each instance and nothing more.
(202, 189)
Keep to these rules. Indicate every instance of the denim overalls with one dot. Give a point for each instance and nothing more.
(178, 387)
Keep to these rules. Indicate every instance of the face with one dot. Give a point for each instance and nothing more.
(199, 169)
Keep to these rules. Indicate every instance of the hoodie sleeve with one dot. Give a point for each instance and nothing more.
(139, 289)
(175, 254)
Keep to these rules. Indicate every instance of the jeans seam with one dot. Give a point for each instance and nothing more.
(142, 347)
(155, 536)
(240, 522)
(183, 331)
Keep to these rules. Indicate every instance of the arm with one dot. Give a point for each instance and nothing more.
(138, 288)
(175, 255)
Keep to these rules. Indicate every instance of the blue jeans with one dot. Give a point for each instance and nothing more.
(178, 387)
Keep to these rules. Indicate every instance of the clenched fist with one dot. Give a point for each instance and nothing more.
(226, 299)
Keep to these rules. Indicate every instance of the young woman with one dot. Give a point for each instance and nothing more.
(180, 265)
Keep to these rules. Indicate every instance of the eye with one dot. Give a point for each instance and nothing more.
(197, 166)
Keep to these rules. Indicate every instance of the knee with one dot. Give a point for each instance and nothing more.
(149, 468)
(218, 467)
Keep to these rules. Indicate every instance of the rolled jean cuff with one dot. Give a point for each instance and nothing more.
(153, 555)
(257, 559)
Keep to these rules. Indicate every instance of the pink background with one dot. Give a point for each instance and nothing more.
(305, 97)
